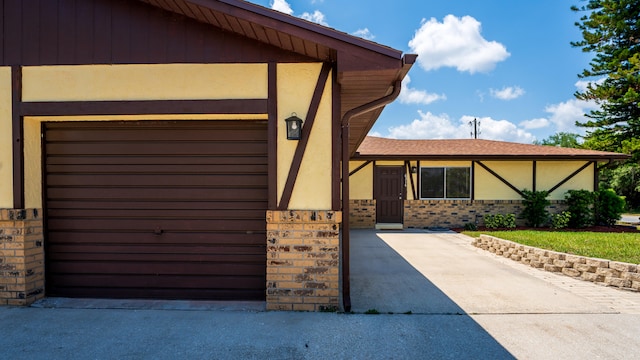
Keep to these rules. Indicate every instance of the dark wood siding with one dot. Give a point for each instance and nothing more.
(70, 32)
(172, 210)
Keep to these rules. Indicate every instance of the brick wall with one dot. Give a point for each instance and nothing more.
(362, 214)
(456, 213)
(21, 256)
(303, 258)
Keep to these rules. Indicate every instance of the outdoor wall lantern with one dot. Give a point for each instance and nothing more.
(294, 127)
(414, 169)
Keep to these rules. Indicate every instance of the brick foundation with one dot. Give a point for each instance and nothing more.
(303, 258)
(362, 214)
(456, 213)
(443, 213)
(21, 256)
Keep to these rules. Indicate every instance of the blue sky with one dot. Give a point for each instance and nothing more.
(507, 63)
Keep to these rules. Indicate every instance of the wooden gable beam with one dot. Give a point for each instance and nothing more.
(413, 186)
(17, 129)
(272, 135)
(145, 107)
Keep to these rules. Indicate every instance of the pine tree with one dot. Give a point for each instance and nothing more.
(611, 31)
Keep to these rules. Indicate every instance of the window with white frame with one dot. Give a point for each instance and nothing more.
(445, 182)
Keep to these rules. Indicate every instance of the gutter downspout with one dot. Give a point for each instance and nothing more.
(346, 284)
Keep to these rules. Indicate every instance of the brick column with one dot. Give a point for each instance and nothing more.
(303, 260)
(362, 214)
(21, 256)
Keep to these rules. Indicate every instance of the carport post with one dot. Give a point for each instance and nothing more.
(346, 285)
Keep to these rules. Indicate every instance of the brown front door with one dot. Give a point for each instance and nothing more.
(167, 210)
(388, 185)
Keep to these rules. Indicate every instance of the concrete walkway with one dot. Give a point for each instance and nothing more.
(464, 303)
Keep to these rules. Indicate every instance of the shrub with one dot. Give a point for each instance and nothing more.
(608, 207)
(470, 227)
(560, 221)
(499, 221)
(492, 221)
(580, 205)
(535, 207)
(510, 221)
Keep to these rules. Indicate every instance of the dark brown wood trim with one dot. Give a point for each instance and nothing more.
(413, 187)
(596, 176)
(272, 135)
(570, 176)
(17, 134)
(335, 140)
(362, 166)
(418, 181)
(473, 180)
(534, 175)
(500, 178)
(146, 107)
(346, 236)
(304, 139)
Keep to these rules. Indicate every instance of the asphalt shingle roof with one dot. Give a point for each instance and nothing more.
(383, 148)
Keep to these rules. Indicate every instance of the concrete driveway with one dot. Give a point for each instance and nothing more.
(533, 314)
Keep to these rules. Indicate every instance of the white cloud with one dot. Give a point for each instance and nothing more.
(282, 6)
(317, 17)
(413, 96)
(456, 42)
(565, 114)
(535, 123)
(582, 85)
(430, 126)
(502, 130)
(364, 33)
(507, 93)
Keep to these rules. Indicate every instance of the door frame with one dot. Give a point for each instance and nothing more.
(403, 190)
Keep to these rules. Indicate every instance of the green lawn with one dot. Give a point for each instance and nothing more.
(623, 247)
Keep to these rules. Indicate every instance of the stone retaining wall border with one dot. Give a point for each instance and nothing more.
(610, 273)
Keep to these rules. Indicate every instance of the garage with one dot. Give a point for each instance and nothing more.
(155, 209)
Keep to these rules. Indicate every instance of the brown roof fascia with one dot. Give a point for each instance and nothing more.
(310, 26)
(293, 26)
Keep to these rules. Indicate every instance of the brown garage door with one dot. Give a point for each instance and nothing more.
(167, 210)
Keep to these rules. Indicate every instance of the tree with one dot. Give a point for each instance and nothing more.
(611, 31)
(563, 139)
(625, 180)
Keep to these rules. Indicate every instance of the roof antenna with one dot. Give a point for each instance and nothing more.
(476, 128)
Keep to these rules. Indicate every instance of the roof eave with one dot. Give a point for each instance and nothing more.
(603, 158)
(307, 26)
